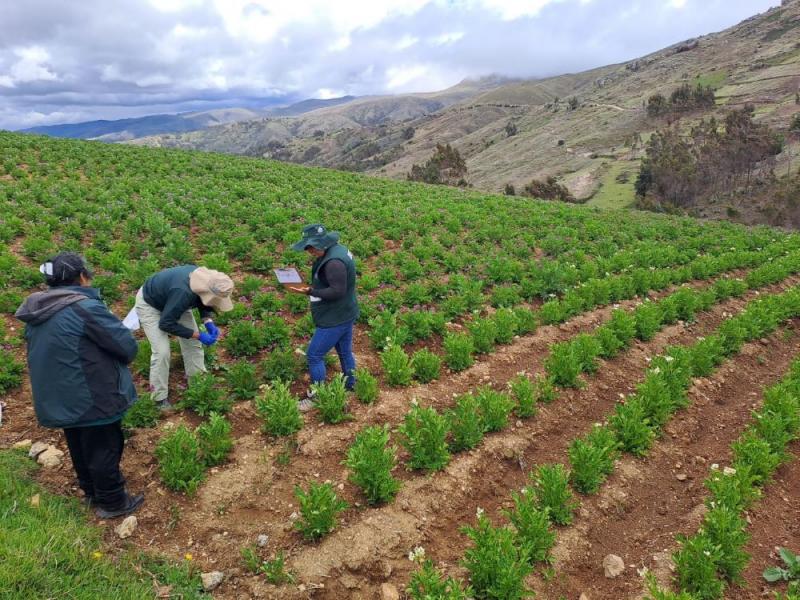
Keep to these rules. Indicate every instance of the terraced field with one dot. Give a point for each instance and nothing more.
(541, 385)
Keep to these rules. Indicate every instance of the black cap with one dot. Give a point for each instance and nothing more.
(65, 269)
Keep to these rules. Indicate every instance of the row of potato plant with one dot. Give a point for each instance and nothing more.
(501, 557)
(483, 333)
(714, 558)
(429, 437)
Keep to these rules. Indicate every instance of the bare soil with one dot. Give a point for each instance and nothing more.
(253, 493)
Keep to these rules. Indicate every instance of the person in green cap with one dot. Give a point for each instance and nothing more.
(334, 305)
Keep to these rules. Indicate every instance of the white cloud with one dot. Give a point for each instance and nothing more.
(514, 9)
(400, 77)
(262, 20)
(80, 60)
(31, 65)
(447, 38)
(342, 43)
(406, 42)
(171, 6)
(327, 94)
(420, 78)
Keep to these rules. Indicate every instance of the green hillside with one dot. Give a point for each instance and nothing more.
(134, 210)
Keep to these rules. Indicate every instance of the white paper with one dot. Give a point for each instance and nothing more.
(288, 275)
(131, 321)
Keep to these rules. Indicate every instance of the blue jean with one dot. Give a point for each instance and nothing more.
(326, 338)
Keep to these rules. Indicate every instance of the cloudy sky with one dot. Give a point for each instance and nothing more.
(69, 61)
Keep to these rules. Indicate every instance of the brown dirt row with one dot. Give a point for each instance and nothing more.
(774, 522)
(647, 502)
(429, 511)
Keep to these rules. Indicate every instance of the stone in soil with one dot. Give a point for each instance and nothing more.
(613, 566)
(262, 540)
(36, 449)
(127, 527)
(389, 592)
(22, 445)
(212, 580)
(50, 458)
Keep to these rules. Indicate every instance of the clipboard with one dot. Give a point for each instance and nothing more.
(288, 276)
(131, 320)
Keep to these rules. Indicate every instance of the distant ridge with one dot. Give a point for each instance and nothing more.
(126, 129)
(120, 130)
(304, 106)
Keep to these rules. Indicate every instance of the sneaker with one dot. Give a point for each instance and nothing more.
(132, 504)
(165, 406)
(305, 405)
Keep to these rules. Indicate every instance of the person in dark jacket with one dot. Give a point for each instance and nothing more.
(78, 353)
(164, 306)
(334, 304)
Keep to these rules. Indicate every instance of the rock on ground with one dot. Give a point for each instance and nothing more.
(22, 445)
(50, 458)
(613, 566)
(212, 580)
(389, 592)
(127, 527)
(36, 449)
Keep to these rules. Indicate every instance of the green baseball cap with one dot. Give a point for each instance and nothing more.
(317, 237)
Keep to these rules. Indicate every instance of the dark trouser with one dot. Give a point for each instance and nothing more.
(96, 452)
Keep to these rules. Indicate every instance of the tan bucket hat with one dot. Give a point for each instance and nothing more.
(213, 287)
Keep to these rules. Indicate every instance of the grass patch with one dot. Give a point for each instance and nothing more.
(783, 58)
(713, 79)
(613, 192)
(51, 551)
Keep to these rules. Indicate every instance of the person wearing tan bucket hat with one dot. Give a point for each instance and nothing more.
(164, 306)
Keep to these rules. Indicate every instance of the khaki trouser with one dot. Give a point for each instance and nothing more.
(191, 349)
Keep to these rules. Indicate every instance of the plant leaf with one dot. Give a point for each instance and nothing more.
(792, 561)
(773, 574)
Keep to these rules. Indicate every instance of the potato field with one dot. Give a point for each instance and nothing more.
(552, 400)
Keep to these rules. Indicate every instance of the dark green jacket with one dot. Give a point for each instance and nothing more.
(330, 313)
(169, 292)
(78, 353)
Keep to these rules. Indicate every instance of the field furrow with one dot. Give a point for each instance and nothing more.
(427, 508)
(774, 522)
(647, 502)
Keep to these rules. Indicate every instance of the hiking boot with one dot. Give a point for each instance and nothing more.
(165, 406)
(305, 405)
(131, 504)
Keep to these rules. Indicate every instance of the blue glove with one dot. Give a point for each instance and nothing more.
(212, 328)
(207, 339)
